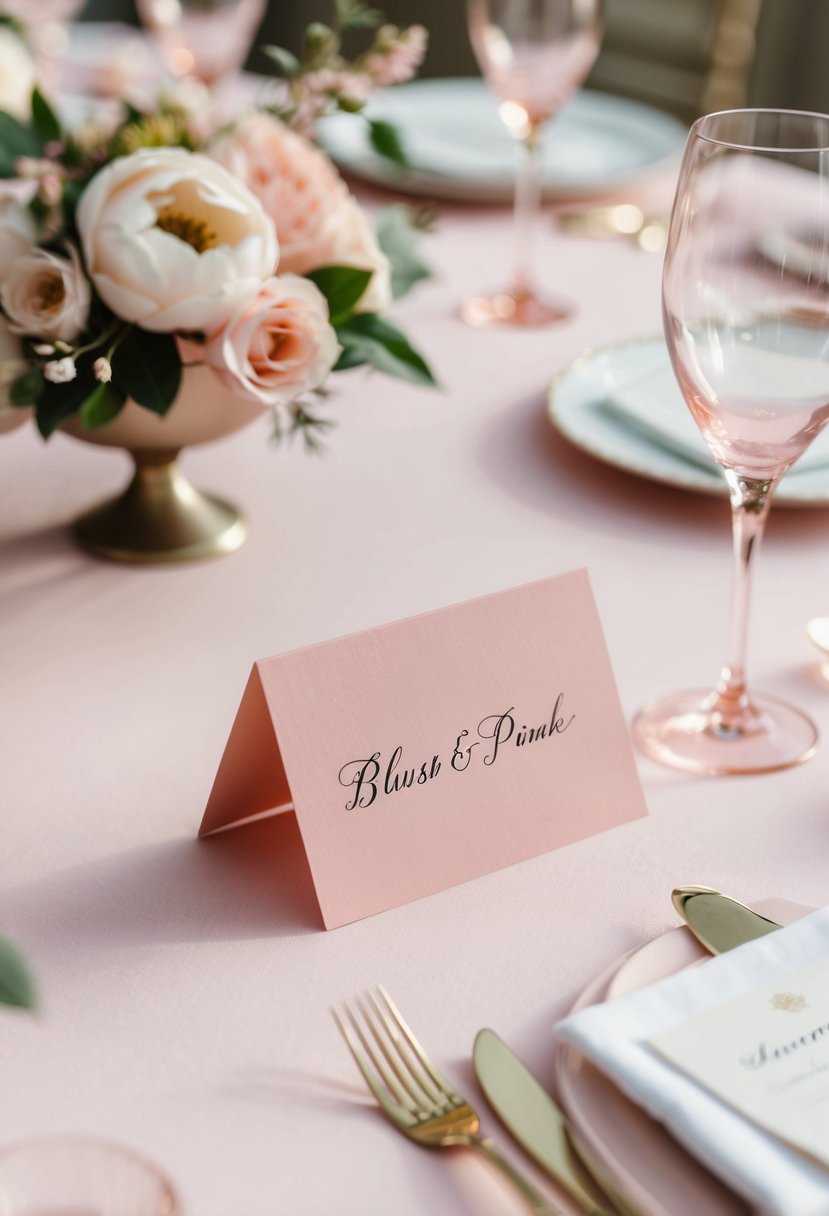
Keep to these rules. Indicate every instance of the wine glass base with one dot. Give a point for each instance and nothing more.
(518, 309)
(686, 731)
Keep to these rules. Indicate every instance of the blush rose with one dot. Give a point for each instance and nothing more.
(277, 347)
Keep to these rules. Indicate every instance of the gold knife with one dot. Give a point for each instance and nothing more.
(717, 921)
(528, 1111)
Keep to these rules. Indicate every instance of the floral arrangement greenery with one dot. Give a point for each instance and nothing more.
(163, 239)
(16, 987)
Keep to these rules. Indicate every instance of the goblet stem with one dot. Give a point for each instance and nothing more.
(750, 502)
(527, 206)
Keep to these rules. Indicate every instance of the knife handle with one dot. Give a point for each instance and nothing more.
(536, 1202)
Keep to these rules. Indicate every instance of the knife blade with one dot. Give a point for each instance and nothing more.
(717, 921)
(530, 1114)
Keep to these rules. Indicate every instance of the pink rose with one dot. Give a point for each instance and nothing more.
(277, 347)
(47, 296)
(318, 222)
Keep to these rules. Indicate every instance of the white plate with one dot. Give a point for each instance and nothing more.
(578, 400)
(458, 148)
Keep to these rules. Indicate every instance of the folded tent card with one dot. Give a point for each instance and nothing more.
(433, 750)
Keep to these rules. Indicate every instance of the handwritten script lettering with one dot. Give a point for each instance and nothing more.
(495, 734)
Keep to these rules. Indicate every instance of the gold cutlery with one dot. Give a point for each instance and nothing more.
(717, 921)
(413, 1095)
(528, 1111)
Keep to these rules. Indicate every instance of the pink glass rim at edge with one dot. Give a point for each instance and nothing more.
(33, 1144)
(699, 124)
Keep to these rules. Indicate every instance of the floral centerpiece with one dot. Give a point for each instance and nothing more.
(161, 242)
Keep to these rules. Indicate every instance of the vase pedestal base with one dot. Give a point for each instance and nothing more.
(160, 518)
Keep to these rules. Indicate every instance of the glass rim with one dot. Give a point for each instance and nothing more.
(698, 124)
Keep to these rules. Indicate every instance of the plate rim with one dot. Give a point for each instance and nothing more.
(690, 480)
(499, 187)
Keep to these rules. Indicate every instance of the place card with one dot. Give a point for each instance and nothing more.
(766, 1054)
(431, 751)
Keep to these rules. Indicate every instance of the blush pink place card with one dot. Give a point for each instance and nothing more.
(428, 752)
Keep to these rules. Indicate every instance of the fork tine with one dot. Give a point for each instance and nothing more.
(360, 1060)
(394, 1092)
(396, 1024)
(417, 1087)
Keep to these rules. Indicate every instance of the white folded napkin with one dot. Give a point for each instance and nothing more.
(652, 404)
(773, 1177)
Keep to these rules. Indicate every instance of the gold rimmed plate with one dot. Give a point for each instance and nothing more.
(588, 404)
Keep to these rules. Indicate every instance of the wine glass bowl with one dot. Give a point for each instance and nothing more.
(748, 336)
(76, 1176)
(533, 54)
(204, 39)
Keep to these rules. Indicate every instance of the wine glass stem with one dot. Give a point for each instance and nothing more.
(750, 502)
(527, 203)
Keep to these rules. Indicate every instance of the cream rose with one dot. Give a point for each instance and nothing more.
(18, 75)
(173, 241)
(279, 346)
(318, 222)
(12, 365)
(17, 233)
(47, 296)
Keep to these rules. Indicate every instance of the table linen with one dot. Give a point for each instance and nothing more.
(185, 986)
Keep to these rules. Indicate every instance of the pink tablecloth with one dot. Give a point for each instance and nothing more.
(185, 987)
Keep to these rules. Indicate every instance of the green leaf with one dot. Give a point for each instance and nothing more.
(321, 43)
(147, 367)
(44, 119)
(386, 142)
(16, 987)
(286, 62)
(343, 287)
(57, 402)
(400, 241)
(103, 404)
(26, 389)
(353, 14)
(367, 338)
(15, 140)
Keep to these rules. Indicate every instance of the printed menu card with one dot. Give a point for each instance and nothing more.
(767, 1055)
(436, 749)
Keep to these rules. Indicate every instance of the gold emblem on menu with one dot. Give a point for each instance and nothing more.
(789, 1002)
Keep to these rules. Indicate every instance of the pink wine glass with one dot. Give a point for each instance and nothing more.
(748, 337)
(533, 54)
(205, 39)
(75, 1176)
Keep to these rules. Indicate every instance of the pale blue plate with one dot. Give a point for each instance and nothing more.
(578, 408)
(458, 147)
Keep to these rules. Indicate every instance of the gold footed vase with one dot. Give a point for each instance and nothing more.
(161, 518)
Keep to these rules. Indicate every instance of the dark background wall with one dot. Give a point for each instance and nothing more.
(790, 66)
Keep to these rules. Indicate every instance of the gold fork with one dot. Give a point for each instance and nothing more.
(413, 1095)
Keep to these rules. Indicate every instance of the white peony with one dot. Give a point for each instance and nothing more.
(18, 75)
(173, 241)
